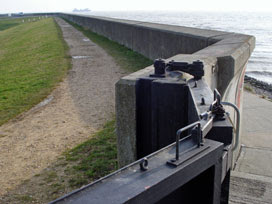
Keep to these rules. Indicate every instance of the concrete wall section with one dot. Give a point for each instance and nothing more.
(125, 96)
(126, 103)
(232, 52)
(3, 15)
(151, 40)
(34, 14)
(125, 100)
(163, 41)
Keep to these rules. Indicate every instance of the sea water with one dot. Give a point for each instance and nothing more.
(252, 23)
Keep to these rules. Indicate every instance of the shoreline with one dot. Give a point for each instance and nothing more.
(258, 87)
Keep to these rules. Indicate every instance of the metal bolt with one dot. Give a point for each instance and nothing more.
(202, 101)
(195, 84)
(213, 68)
(144, 164)
(159, 65)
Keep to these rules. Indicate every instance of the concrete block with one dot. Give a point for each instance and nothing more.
(126, 104)
(231, 38)
(126, 121)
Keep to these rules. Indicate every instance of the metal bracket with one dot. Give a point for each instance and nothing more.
(189, 154)
(186, 128)
(215, 112)
(196, 137)
(196, 69)
(219, 111)
(216, 107)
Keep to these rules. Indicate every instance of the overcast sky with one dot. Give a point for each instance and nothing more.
(8, 6)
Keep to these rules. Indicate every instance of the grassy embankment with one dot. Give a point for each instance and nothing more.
(32, 61)
(9, 22)
(90, 160)
(6, 23)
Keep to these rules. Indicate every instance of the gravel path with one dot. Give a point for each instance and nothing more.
(79, 106)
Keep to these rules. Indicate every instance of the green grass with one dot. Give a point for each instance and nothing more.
(94, 158)
(248, 88)
(24, 198)
(6, 23)
(126, 58)
(33, 60)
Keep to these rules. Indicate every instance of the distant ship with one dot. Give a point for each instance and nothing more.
(81, 10)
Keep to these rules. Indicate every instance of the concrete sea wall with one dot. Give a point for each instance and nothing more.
(163, 41)
(224, 54)
(3, 15)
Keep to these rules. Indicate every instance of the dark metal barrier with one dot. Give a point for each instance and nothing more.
(184, 145)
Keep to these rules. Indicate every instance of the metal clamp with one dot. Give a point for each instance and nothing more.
(196, 69)
(216, 107)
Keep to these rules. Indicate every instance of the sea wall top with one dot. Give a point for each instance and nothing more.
(153, 40)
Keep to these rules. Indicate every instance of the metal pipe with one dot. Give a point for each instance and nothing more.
(179, 133)
(237, 138)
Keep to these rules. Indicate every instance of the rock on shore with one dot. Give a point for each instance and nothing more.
(259, 87)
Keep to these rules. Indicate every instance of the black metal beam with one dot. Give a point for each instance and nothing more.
(132, 185)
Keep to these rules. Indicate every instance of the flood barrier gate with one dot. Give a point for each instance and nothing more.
(184, 144)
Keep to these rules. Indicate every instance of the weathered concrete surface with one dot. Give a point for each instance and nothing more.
(257, 122)
(251, 181)
(256, 161)
(250, 189)
(256, 154)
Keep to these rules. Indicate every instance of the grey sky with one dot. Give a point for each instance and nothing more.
(8, 6)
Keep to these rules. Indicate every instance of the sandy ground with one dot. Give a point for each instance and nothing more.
(79, 106)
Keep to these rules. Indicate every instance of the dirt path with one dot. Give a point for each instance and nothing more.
(77, 107)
